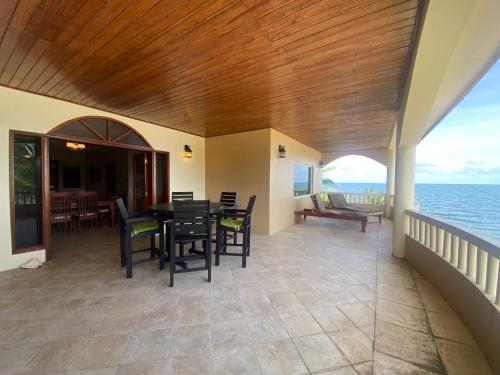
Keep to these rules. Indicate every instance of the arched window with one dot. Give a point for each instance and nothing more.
(100, 130)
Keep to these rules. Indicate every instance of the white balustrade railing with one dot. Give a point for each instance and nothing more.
(474, 255)
(364, 198)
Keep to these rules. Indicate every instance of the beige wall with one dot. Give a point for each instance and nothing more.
(282, 202)
(28, 112)
(240, 162)
(249, 164)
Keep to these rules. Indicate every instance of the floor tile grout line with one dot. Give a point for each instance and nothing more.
(376, 299)
(428, 322)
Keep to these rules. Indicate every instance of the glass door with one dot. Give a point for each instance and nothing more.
(26, 192)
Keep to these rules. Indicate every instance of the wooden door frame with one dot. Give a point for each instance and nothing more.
(45, 162)
(166, 175)
(44, 174)
(149, 182)
(45, 177)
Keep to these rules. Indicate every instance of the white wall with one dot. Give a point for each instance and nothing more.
(39, 114)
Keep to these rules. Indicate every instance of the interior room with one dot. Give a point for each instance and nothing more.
(80, 171)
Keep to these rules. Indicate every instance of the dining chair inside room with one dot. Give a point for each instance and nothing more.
(104, 212)
(87, 208)
(60, 210)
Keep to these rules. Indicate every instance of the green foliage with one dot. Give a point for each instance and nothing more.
(24, 169)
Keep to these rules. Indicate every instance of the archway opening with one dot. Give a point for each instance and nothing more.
(354, 174)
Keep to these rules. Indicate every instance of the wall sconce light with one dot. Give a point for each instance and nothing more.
(282, 151)
(188, 153)
(321, 163)
(75, 146)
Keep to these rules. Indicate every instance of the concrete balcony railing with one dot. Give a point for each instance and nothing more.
(473, 255)
(464, 267)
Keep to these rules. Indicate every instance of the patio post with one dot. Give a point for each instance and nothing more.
(404, 196)
(391, 160)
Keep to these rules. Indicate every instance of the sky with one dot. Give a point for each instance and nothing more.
(464, 148)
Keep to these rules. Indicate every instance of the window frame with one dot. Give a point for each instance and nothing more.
(310, 174)
(44, 176)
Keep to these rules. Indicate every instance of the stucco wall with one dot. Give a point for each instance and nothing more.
(282, 202)
(28, 112)
(240, 162)
(479, 315)
(249, 163)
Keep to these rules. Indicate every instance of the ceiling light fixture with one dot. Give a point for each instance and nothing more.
(75, 146)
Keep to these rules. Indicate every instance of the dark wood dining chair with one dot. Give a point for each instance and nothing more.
(182, 196)
(234, 221)
(133, 226)
(228, 199)
(60, 210)
(104, 212)
(190, 223)
(179, 196)
(87, 208)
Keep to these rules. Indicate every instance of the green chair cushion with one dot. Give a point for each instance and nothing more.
(231, 223)
(143, 226)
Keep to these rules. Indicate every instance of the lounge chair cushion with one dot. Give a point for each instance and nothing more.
(231, 223)
(321, 205)
(143, 226)
(338, 200)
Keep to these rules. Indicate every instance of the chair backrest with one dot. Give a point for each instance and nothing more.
(87, 201)
(122, 209)
(60, 203)
(251, 203)
(337, 200)
(248, 211)
(228, 199)
(191, 219)
(318, 203)
(182, 196)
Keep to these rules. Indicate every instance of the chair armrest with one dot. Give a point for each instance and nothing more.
(134, 215)
(139, 219)
(233, 215)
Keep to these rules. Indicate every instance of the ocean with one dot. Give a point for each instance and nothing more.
(473, 206)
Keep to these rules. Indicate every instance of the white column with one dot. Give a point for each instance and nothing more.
(391, 160)
(404, 196)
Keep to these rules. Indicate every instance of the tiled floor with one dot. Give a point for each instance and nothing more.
(319, 297)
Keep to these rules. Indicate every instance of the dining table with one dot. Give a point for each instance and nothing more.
(165, 211)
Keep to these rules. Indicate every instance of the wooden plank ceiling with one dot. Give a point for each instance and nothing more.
(328, 73)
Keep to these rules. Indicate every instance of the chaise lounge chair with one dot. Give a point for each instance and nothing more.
(338, 201)
(321, 211)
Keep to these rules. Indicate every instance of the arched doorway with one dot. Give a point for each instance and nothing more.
(103, 143)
